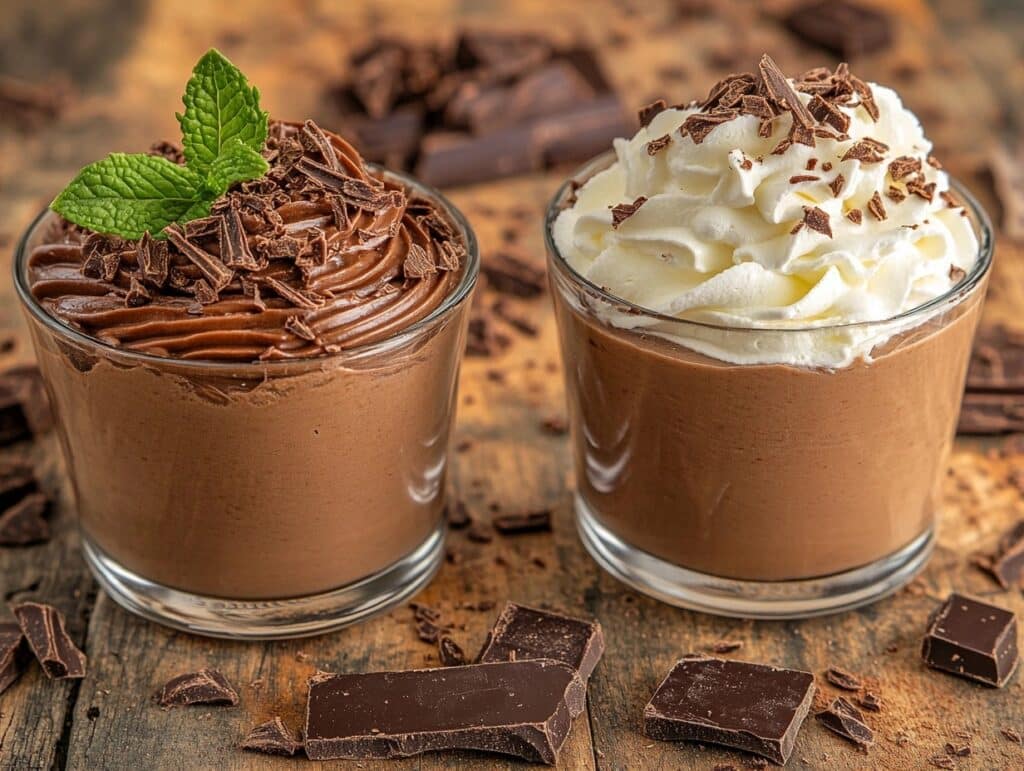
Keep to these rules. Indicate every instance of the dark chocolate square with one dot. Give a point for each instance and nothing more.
(972, 639)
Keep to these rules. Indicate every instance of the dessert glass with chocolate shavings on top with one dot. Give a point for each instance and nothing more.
(766, 302)
(252, 345)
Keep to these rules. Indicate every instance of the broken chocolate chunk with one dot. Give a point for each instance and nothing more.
(207, 686)
(521, 632)
(217, 274)
(520, 708)
(25, 523)
(14, 654)
(870, 701)
(782, 94)
(450, 652)
(847, 29)
(1006, 564)
(750, 707)
(844, 719)
(272, 738)
(972, 639)
(43, 627)
(523, 522)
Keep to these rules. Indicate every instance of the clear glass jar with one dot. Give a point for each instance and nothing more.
(761, 490)
(259, 500)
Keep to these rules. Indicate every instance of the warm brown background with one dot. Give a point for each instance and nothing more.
(127, 61)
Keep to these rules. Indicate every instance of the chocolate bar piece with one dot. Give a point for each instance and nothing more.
(24, 408)
(843, 718)
(520, 708)
(750, 707)
(14, 654)
(997, 361)
(522, 633)
(43, 627)
(991, 413)
(1006, 564)
(207, 686)
(972, 639)
(272, 738)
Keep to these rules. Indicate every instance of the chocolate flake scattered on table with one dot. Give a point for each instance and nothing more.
(523, 522)
(870, 701)
(520, 708)
(972, 639)
(842, 679)
(272, 738)
(14, 654)
(207, 686)
(1006, 563)
(847, 29)
(844, 719)
(521, 632)
(450, 653)
(750, 707)
(44, 629)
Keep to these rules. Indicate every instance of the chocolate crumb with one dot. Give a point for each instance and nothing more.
(556, 425)
(826, 166)
(480, 533)
(524, 522)
(1012, 735)
(458, 516)
(842, 679)
(811, 163)
(870, 701)
(956, 274)
(958, 750)
(207, 686)
(725, 646)
(92, 713)
(942, 761)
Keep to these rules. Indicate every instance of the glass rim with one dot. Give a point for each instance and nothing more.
(954, 295)
(454, 299)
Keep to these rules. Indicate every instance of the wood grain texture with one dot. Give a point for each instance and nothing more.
(126, 97)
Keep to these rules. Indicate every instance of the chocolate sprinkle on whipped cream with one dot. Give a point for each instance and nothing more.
(800, 203)
(319, 255)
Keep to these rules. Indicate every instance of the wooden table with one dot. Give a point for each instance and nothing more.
(128, 62)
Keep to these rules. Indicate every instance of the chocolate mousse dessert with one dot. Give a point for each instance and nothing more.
(252, 346)
(766, 301)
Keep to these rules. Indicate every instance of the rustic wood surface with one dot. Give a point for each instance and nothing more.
(126, 63)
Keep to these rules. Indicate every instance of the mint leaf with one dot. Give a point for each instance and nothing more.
(220, 105)
(126, 195)
(236, 163)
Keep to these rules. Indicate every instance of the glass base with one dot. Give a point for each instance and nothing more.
(719, 596)
(268, 619)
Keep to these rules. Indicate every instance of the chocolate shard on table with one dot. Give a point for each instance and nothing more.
(844, 719)
(847, 29)
(14, 654)
(207, 686)
(24, 523)
(972, 639)
(492, 105)
(24, 408)
(43, 627)
(521, 633)
(751, 707)
(519, 708)
(1006, 564)
(272, 738)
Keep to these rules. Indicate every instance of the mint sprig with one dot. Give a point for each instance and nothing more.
(223, 132)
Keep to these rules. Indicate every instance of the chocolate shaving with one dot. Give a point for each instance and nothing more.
(351, 190)
(137, 294)
(951, 200)
(843, 718)
(299, 328)
(921, 190)
(836, 185)
(876, 207)
(855, 216)
(152, 258)
(904, 166)
(779, 91)
(56, 652)
(699, 125)
(895, 194)
(217, 274)
(234, 246)
(865, 151)
(286, 292)
(207, 686)
(450, 653)
(827, 112)
(817, 219)
(14, 655)
(648, 113)
(623, 211)
(313, 139)
(870, 701)
(204, 293)
(811, 163)
(798, 178)
(272, 738)
(418, 262)
(523, 522)
(657, 145)
(756, 105)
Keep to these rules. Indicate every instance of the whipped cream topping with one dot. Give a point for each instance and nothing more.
(740, 222)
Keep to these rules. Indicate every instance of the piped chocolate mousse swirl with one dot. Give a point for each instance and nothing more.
(319, 255)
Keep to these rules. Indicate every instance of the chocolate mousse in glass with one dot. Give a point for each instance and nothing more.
(766, 303)
(268, 458)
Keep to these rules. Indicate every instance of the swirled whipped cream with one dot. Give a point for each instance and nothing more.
(795, 207)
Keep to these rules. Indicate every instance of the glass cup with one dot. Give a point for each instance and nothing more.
(762, 490)
(259, 500)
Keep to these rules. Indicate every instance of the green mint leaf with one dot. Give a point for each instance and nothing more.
(236, 163)
(219, 105)
(126, 195)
